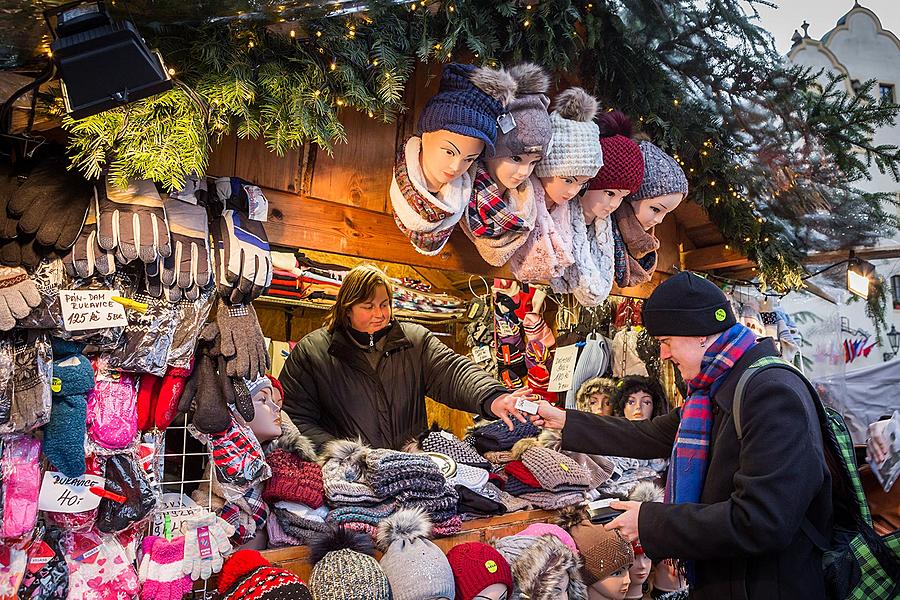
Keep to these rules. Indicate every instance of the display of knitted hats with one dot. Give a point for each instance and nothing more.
(73, 379)
(496, 436)
(635, 249)
(158, 398)
(545, 253)
(477, 566)
(160, 569)
(296, 476)
(576, 149)
(625, 358)
(112, 409)
(395, 474)
(539, 565)
(552, 469)
(662, 175)
(46, 574)
(99, 568)
(623, 161)
(473, 478)
(301, 522)
(247, 575)
(125, 479)
(475, 504)
(20, 482)
(345, 568)
(344, 473)
(415, 567)
(277, 536)
(237, 456)
(13, 563)
(603, 552)
(370, 516)
(599, 467)
(206, 543)
(25, 401)
(590, 277)
(438, 440)
(593, 361)
(18, 295)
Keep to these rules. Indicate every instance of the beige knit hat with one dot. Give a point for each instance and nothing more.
(576, 150)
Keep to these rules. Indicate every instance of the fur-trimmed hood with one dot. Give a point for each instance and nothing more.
(540, 568)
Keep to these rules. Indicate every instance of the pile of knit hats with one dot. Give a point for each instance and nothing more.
(497, 437)
(415, 567)
(444, 442)
(545, 478)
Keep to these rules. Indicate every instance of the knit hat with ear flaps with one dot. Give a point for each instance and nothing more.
(576, 150)
(687, 305)
(662, 175)
(466, 106)
(345, 568)
(247, 575)
(416, 568)
(623, 163)
(477, 566)
(525, 128)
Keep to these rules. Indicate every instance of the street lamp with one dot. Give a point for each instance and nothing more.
(893, 337)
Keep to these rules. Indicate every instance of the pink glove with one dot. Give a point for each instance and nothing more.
(99, 569)
(20, 472)
(112, 410)
(12, 570)
(161, 574)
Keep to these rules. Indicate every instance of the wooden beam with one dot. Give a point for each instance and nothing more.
(822, 258)
(713, 257)
(817, 291)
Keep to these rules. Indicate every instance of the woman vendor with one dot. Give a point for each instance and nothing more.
(365, 375)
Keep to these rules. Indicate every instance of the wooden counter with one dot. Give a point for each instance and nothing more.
(295, 558)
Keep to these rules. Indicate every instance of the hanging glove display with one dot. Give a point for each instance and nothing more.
(242, 257)
(124, 478)
(24, 251)
(242, 341)
(112, 409)
(46, 575)
(160, 571)
(190, 315)
(206, 543)
(189, 264)
(158, 398)
(25, 401)
(20, 476)
(86, 256)
(99, 568)
(73, 379)
(18, 295)
(132, 222)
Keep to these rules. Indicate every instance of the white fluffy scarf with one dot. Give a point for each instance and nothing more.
(590, 278)
(451, 199)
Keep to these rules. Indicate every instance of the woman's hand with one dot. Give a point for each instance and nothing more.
(549, 416)
(505, 405)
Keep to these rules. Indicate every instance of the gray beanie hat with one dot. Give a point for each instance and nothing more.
(525, 127)
(416, 568)
(345, 568)
(576, 150)
(662, 175)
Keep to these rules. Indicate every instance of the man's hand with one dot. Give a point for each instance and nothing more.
(627, 522)
(877, 444)
(505, 405)
(549, 416)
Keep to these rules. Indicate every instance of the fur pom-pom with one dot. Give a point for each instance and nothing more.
(570, 516)
(614, 123)
(530, 79)
(551, 438)
(541, 568)
(575, 104)
(497, 83)
(523, 446)
(339, 538)
(293, 441)
(342, 450)
(406, 525)
(646, 491)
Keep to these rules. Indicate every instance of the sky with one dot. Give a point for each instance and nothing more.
(822, 16)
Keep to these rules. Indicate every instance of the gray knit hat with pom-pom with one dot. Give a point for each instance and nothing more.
(576, 150)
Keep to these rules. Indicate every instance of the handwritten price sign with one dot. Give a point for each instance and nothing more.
(91, 309)
(69, 494)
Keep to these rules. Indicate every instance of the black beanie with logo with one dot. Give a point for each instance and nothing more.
(687, 305)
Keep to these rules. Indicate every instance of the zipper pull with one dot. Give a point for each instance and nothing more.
(371, 341)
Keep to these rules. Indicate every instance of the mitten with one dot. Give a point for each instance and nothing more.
(46, 576)
(242, 341)
(161, 569)
(169, 395)
(30, 404)
(18, 295)
(126, 479)
(12, 570)
(189, 264)
(237, 456)
(132, 222)
(242, 257)
(112, 410)
(99, 568)
(204, 391)
(20, 473)
(86, 255)
(52, 205)
(148, 388)
(206, 543)
(73, 379)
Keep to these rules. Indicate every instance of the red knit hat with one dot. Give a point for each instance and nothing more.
(276, 384)
(518, 470)
(294, 480)
(477, 566)
(623, 162)
(246, 575)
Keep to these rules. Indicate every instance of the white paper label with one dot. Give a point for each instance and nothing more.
(506, 122)
(69, 494)
(505, 328)
(259, 204)
(481, 354)
(177, 517)
(447, 435)
(91, 309)
(564, 361)
(527, 406)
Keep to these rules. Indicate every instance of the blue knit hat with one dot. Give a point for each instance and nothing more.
(462, 107)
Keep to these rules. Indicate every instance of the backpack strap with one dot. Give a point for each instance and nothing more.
(759, 365)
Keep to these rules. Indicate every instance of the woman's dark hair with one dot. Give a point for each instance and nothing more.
(635, 383)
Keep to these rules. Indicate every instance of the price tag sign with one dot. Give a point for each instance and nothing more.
(91, 309)
(481, 354)
(69, 494)
(258, 203)
(564, 362)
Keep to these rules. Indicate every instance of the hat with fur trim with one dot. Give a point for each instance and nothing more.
(552, 469)
(538, 572)
(525, 126)
(576, 149)
(416, 568)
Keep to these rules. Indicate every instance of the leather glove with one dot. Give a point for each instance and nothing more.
(188, 265)
(243, 260)
(132, 222)
(86, 255)
(207, 529)
(242, 341)
(18, 295)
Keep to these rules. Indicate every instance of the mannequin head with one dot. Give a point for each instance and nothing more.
(613, 587)
(595, 396)
(509, 172)
(363, 302)
(266, 423)
(650, 212)
(638, 572)
(599, 204)
(622, 171)
(607, 557)
(662, 189)
(495, 591)
(446, 156)
(667, 576)
(559, 189)
(638, 399)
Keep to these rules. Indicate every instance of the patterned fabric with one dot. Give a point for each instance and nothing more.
(247, 515)
(488, 213)
(238, 460)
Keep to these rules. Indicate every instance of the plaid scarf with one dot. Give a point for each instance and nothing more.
(489, 213)
(690, 454)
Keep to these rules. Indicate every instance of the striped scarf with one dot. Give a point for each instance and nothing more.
(690, 454)
(489, 213)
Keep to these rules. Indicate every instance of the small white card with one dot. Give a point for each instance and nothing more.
(506, 122)
(527, 406)
(259, 204)
(564, 361)
(69, 494)
(91, 309)
(505, 328)
(481, 354)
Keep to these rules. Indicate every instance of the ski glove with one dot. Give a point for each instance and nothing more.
(243, 260)
(132, 222)
(18, 295)
(189, 264)
(86, 255)
(242, 341)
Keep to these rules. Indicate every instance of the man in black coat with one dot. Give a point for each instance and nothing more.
(742, 538)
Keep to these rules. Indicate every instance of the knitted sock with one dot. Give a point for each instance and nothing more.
(64, 435)
(161, 569)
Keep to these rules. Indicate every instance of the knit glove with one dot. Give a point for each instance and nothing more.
(132, 222)
(206, 543)
(45, 580)
(124, 478)
(18, 295)
(20, 474)
(243, 259)
(86, 256)
(73, 379)
(12, 569)
(160, 571)
(52, 205)
(237, 456)
(111, 410)
(204, 392)
(236, 392)
(158, 398)
(28, 360)
(242, 341)
(189, 264)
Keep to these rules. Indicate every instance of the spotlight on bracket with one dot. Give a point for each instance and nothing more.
(859, 275)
